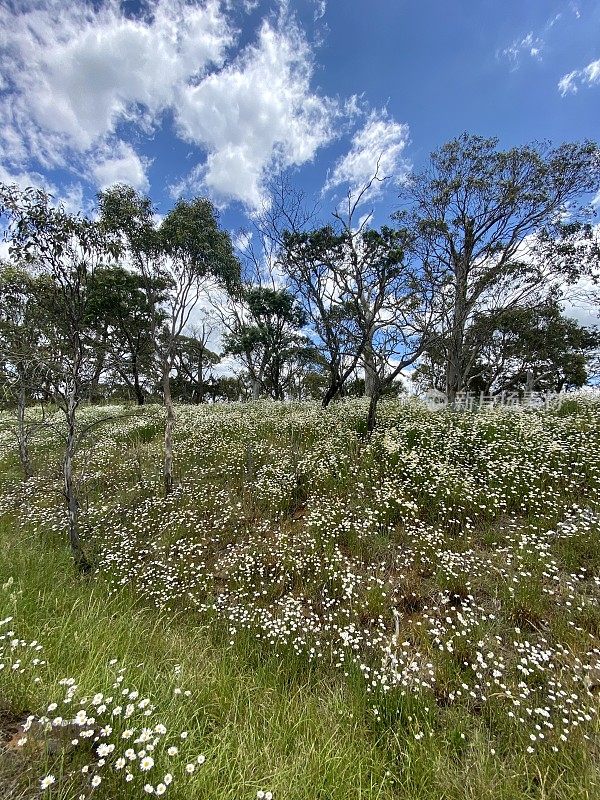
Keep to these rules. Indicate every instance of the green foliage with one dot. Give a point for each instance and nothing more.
(482, 220)
(269, 339)
(190, 234)
(536, 348)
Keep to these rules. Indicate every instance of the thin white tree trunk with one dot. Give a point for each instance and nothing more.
(79, 558)
(169, 425)
(370, 369)
(23, 436)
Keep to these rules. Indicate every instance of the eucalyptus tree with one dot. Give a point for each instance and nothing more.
(194, 361)
(266, 336)
(20, 334)
(370, 307)
(302, 255)
(122, 313)
(483, 219)
(531, 349)
(185, 253)
(64, 250)
(312, 261)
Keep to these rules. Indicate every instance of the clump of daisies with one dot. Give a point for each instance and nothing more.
(118, 733)
(18, 657)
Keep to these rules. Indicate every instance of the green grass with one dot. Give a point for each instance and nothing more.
(262, 723)
(268, 718)
(259, 723)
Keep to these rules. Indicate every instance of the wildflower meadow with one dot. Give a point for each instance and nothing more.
(312, 612)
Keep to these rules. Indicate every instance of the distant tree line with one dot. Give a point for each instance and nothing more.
(461, 290)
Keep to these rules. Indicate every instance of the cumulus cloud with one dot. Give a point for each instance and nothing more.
(256, 114)
(377, 147)
(120, 164)
(588, 76)
(76, 73)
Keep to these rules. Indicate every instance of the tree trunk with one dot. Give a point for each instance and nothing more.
(370, 369)
(168, 465)
(140, 397)
(255, 388)
(460, 312)
(455, 346)
(23, 436)
(200, 381)
(529, 381)
(372, 415)
(139, 393)
(81, 562)
(331, 392)
(336, 385)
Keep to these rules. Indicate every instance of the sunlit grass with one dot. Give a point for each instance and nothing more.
(463, 543)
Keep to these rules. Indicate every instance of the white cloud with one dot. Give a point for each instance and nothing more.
(530, 45)
(121, 164)
(78, 72)
(241, 240)
(258, 113)
(580, 302)
(592, 72)
(70, 196)
(24, 178)
(568, 83)
(72, 200)
(320, 9)
(377, 147)
(588, 76)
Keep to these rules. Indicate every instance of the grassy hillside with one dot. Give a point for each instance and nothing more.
(310, 614)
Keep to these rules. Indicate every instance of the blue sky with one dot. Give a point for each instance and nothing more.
(211, 97)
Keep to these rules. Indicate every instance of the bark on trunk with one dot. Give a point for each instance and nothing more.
(255, 389)
(200, 381)
(336, 385)
(368, 353)
(23, 436)
(372, 415)
(455, 348)
(461, 265)
(139, 393)
(168, 465)
(140, 397)
(370, 369)
(529, 381)
(331, 392)
(453, 371)
(81, 562)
